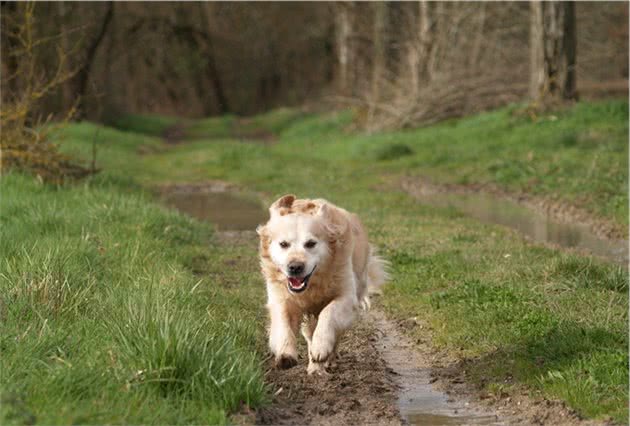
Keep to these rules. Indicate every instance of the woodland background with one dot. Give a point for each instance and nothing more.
(399, 63)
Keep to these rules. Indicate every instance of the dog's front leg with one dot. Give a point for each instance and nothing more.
(308, 328)
(282, 336)
(335, 318)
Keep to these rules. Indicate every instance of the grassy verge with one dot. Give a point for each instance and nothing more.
(523, 315)
(102, 319)
(152, 125)
(579, 155)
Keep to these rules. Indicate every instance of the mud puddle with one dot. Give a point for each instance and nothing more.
(217, 203)
(378, 378)
(535, 225)
(419, 402)
(360, 389)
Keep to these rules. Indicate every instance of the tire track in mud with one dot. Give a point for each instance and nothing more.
(419, 402)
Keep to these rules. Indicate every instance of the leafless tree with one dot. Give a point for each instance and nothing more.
(83, 74)
(397, 63)
(344, 13)
(553, 51)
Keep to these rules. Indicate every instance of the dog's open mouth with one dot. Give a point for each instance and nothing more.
(298, 284)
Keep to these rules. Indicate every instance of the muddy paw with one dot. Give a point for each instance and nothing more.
(284, 361)
(321, 350)
(317, 368)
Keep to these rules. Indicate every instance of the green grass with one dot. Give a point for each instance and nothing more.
(103, 320)
(154, 125)
(579, 155)
(210, 128)
(521, 315)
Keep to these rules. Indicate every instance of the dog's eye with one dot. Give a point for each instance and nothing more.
(284, 244)
(310, 244)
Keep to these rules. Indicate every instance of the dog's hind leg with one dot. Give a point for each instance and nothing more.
(308, 328)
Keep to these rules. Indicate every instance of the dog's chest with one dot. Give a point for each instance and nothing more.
(318, 294)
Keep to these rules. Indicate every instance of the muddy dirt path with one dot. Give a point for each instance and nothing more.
(380, 376)
(420, 402)
(361, 388)
(378, 379)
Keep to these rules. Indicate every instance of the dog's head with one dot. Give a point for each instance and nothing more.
(299, 239)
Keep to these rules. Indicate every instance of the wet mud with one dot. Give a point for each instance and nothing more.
(380, 376)
(215, 202)
(359, 390)
(419, 401)
(557, 227)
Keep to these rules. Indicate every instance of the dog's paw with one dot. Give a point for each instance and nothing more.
(322, 349)
(318, 369)
(285, 361)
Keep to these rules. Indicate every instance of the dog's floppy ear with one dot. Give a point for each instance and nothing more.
(336, 226)
(282, 205)
(265, 240)
(324, 211)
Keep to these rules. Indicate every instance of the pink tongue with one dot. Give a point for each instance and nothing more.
(295, 282)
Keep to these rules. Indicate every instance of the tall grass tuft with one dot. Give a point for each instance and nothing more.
(99, 322)
(184, 355)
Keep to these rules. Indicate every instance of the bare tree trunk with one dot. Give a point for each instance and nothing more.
(67, 92)
(201, 40)
(420, 47)
(473, 58)
(552, 51)
(378, 56)
(83, 74)
(425, 40)
(343, 28)
(10, 66)
(413, 57)
(212, 69)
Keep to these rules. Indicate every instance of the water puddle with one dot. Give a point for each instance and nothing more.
(419, 402)
(422, 405)
(226, 209)
(540, 228)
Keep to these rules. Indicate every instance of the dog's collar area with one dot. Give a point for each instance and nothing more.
(298, 285)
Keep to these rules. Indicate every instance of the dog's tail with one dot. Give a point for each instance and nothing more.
(377, 275)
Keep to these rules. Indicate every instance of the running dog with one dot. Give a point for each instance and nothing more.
(319, 269)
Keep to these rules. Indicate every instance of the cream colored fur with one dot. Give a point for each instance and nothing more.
(345, 270)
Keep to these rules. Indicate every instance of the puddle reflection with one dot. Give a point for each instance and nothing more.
(226, 210)
(540, 228)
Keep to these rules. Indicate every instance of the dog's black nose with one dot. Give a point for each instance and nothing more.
(296, 268)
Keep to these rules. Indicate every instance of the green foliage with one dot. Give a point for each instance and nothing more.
(152, 125)
(210, 128)
(276, 120)
(182, 354)
(578, 272)
(579, 156)
(392, 151)
(103, 323)
(521, 314)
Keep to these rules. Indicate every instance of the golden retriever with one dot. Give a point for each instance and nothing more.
(319, 269)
